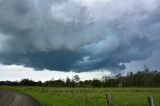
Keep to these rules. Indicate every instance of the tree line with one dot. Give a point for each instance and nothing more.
(145, 78)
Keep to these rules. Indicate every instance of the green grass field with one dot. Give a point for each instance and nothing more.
(96, 96)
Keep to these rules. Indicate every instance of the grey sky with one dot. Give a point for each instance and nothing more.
(78, 35)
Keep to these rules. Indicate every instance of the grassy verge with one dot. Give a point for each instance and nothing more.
(94, 97)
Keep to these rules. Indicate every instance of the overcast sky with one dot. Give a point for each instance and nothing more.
(41, 39)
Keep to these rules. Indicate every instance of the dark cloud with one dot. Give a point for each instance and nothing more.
(58, 60)
(78, 35)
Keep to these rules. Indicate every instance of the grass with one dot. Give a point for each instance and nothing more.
(96, 96)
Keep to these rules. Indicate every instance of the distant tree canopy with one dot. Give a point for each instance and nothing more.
(145, 78)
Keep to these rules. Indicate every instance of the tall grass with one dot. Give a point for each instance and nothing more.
(95, 96)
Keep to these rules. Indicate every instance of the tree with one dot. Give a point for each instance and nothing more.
(76, 78)
(96, 83)
(146, 68)
(105, 78)
(68, 82)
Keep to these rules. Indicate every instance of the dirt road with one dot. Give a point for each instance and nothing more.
(9, 98)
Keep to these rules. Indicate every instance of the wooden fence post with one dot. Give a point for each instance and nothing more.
(64, 92)
(86, 96)
(72, 93)
(43, 89)
(151, 101)
(109, 99)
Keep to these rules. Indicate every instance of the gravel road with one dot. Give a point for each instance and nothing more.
(9, 98)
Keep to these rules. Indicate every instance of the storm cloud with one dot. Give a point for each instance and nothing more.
(78, 35)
